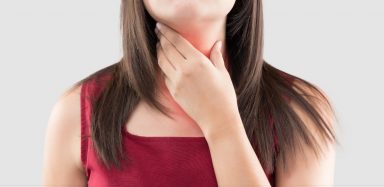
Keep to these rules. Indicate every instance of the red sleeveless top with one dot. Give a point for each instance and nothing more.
(157, 161)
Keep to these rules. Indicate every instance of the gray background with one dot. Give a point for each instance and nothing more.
(47, 45)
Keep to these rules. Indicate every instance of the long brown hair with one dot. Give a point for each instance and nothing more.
(262, 90)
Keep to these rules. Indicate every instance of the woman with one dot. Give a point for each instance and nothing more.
(191, 103)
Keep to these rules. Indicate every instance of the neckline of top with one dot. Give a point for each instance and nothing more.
(129, 135)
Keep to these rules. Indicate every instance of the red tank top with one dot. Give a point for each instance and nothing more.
(157, 161)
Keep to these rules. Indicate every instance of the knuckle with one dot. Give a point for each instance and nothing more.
(198, 64)
(187, 72)
(201, 59)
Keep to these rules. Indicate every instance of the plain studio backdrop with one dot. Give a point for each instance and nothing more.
(47, 45)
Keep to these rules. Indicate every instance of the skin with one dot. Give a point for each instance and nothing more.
(62, 163)
(201, 22)
(189, 70)
(234, 161)
(182, 60)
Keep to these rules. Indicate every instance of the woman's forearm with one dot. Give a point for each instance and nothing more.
(234, 160)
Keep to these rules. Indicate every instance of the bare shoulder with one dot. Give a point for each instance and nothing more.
(62, 161)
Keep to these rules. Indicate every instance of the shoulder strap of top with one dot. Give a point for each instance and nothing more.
(85, 121)
(90, 89)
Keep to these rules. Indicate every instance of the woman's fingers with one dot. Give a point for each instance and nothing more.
(164, 64)
(172, 54)
(185, 48)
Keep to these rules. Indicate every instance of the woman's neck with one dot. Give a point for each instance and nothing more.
(204, 35)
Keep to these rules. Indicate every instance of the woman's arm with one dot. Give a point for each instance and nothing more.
(62, 163)
(236, 163)
(234, 160)
(312, 173)
(193, 82)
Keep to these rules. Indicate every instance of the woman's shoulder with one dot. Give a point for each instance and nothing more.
(63, 129)
(94, 82)
(63, 132)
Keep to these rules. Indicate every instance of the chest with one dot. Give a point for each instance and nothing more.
(147, 121)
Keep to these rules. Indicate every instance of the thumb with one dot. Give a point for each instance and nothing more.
(216, 55)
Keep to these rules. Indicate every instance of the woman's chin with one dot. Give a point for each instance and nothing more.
(180, 12)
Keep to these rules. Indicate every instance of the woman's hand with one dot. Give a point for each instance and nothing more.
(201, 86)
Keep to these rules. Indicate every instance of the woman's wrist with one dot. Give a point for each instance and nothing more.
(227, 127)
